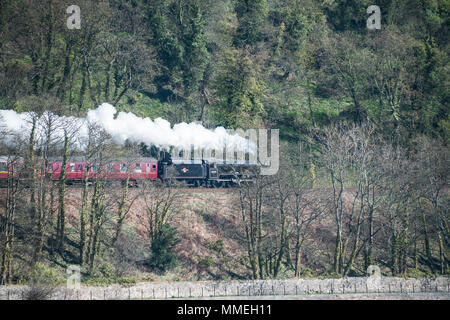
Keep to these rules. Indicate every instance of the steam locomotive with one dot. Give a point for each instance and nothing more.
(193, 173)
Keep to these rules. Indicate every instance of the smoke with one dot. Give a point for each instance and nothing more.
(126, 126)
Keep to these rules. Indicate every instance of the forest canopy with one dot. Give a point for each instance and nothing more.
(293, 65)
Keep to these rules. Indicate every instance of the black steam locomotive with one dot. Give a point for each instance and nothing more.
(206, 173)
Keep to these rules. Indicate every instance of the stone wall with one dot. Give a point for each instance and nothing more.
(182, 289)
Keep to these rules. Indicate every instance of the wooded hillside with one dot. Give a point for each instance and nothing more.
(363, 118)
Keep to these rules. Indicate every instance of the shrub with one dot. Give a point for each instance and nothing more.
(99, 281)
(107, 270)
(104, 281)
(163, 257)
(126, 281)
(215, 246)
(43, 275)
(331, 275)
(307, 273)
(38, 292)
(416, 273)
(205, 262)
(42, 281)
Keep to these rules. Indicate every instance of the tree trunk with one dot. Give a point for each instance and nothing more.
(62, 194)
(83, 215)
(121, 210)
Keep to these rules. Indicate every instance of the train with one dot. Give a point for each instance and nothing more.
(192, 173)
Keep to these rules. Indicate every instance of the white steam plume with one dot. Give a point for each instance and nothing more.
(127, 126)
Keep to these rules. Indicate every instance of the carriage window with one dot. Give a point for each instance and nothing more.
(72, 167)
(3, 167)
(109, 167)
(154, 167)
(80, 168)
(94, 168)
(138, 168)
(123, 167)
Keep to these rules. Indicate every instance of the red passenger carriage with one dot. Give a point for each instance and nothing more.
(114, 170)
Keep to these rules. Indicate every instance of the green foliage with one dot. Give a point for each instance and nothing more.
(163, 257)
(107, 281)
(126, 281)
(98, 281)
(346, 14)
(307, 273)
(330, 275)
(215, 246)
(107, 270)
(41, 275)
(205, 262)
(239, 92)
(289, 64)
(416, 273)
(251, 16)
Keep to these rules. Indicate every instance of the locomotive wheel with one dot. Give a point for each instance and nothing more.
(218, 184)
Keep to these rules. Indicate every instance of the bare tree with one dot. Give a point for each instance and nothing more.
(160, 206)
(14, 189)
(69, 129)
(125, 203)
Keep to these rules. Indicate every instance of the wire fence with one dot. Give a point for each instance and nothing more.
(174, 290)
